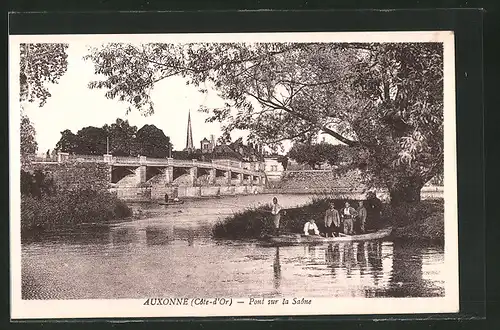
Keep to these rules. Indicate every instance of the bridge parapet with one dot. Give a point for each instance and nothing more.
(247, 168)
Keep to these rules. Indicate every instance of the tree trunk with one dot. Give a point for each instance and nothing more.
(405, 190)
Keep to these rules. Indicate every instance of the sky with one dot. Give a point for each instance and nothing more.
(74, 106)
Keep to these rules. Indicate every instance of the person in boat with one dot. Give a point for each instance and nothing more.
(348, 214)
(276, 215)
(310, 228)
(332, 221)
(361, 218)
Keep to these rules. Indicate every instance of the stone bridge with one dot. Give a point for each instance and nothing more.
(143, 178)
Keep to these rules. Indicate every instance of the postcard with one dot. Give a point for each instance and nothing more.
(233, 174)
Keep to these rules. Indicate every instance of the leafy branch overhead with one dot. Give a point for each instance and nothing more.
(40, 65)
(386, 98)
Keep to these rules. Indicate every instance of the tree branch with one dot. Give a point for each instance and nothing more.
(339, 137)
(291, 137)
(294, 82)
(336, 135)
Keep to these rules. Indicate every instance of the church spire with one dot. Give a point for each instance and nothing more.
(189, 138)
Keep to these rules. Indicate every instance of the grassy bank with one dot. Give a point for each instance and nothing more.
(419, 221)
(254, 223)
(424, 220)
(70, 208)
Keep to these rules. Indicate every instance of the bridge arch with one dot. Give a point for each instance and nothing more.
(153, 171)
(118, 173)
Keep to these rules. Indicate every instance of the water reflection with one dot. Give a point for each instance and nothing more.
(312, 252)
(348, 258)
(82, 235)
(406, 273)
(174, 254)
(191, 236)
(124, 236)
(332, 257)
(362, 258)
(159, 235)
(375, 260)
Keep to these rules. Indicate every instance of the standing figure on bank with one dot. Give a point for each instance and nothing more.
(361, 217)
(332, 221)
(373, 211)
(310, 228)
(348, 215)
(276, 215)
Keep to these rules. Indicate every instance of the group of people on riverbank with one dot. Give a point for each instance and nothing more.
(347, 220)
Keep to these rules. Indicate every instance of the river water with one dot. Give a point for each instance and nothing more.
(172, 254)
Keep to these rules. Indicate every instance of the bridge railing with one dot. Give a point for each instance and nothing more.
(146, 160)
(82, 158)
(248, 168)
(122, 159)
(228, 162)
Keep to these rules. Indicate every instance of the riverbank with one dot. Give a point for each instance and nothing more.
(420, 221)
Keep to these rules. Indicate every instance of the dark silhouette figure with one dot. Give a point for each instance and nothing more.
(277, 269)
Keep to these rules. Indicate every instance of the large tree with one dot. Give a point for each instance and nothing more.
(68, 142)
(41, 64)
(315, 154)
(310, 154)
(385, 99)
(92, 141)
(152, 142)
(28, 142)
(121, 138)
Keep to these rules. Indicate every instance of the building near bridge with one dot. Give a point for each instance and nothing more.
(207, 146)
(273, 168)
(210, 150)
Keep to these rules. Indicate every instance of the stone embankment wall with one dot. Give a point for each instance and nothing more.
(72, 176)
(149, 193)
(319, 180)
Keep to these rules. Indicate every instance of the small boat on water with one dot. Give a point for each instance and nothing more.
(171, 202)
(298, 238)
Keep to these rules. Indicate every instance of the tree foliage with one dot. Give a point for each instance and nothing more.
(152, 142)
(92, 141)
(284, 161)
(386, 99)
(121, 138)
(40, 65)
(124, 140)
(68, 142)
(319, 153)
(28, 134)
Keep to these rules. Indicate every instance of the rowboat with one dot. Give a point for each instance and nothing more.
(299, 239)
(171, 202)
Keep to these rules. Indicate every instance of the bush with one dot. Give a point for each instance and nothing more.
(411, 213)
(36, 184)
(66, 209)
(246, 224)
(423, 220)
